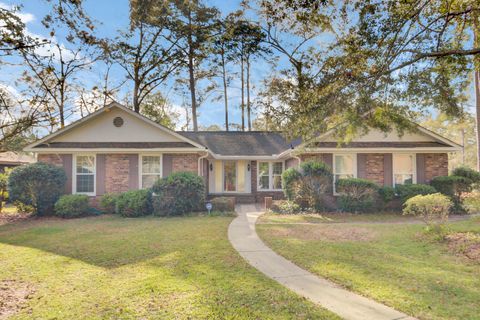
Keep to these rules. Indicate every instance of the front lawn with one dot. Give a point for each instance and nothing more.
(390, 261)
(145, 268)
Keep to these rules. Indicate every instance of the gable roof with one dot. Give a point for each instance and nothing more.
(242, 143)
(45, 141)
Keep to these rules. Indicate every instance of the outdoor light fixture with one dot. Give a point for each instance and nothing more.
(248, 167)
(211, 167)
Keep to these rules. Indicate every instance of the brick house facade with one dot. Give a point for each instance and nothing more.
(228, 159)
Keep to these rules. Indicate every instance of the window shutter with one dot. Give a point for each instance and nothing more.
(100, 173)
(387, 169)
(133, 172)
(167, 163)
(68, 167)
(420, 168)
(328, 159)
(362, 165)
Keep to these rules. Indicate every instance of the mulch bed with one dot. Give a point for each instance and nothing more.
(14, 295)
(9, 218)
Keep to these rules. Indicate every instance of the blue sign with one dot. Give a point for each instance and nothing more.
(208, 206)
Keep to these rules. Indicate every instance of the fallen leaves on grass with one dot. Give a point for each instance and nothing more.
(466, 244)
(13, 297)
(325, 232)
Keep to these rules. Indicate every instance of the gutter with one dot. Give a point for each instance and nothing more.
(200, 168)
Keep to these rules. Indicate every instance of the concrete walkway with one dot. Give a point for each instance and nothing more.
(346, 304)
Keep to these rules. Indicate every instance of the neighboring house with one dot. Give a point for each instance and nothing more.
(12, 159)
(116, 149)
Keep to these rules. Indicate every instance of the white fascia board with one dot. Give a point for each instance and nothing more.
(379, 150)
(114, 150)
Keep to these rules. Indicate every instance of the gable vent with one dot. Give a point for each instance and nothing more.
(118, 122)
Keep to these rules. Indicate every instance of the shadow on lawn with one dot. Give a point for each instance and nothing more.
(105, 241)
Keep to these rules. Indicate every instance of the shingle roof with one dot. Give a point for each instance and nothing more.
(127, 145)
(381, 144)
(239, 143)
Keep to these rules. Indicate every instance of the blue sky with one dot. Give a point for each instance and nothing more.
(113, 15)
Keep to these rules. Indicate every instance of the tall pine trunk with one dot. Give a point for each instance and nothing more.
(192, 92)
(476, 41)
(243, 93)
(225, 96)
(248, 96)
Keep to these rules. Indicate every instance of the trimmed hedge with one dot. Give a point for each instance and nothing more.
(108, 202)
(134, 203)
(432, 208)
(386, 194)
(472, 175)
(223, 204)
(356, 195)
(315, 169)
(285, 207)
(38, 185)
(72, 206)
(177, 194)
(407, 191)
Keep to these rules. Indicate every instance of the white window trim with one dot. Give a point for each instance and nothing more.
(140, 165)
(74, 174)
(236, 177)
(414, 166)
(334, 168)
(270, 175)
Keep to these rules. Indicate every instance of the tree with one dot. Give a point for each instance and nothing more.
(156, 108)
(248, 39)
(462, 131)
(147, 60)
(191, 32)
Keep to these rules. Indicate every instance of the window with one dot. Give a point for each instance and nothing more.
(403, 169)
(230, 176)
(270, 175)
(344, 167)
(85, 174)
(151, 170)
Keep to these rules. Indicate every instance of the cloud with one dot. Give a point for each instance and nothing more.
(25, 17)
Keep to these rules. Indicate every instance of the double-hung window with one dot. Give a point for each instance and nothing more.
(85, 174)
(270, 175)
(403, 169)
(151, 170)
(344, 167)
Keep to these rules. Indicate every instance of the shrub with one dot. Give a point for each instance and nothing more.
(386, 193)
(453, 187)
(285, 207)
(23, 208)
(433, 209)
(289, 178)
(472, 175)
(3, 188)
(38, 185)
(407, 191)
(72, 206)
(471, 202)
(108, 202)
(310, 191)
(177, 194)
(134, 203)
(223, 204)
(356, 195)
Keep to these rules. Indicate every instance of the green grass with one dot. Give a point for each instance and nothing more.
(109, 267)
(394, 263)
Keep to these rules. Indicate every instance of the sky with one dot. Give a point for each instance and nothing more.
(113, 15)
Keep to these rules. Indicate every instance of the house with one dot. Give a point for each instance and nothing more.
(115, 149)
(10, 159)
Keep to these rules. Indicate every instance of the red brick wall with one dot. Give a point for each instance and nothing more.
(185, 162)
(117, 169)
(436, 164)
(54, 159)
(374, 167)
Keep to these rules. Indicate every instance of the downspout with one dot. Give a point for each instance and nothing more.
(200, 167)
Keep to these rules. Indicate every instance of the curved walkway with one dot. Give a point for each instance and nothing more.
(346, 304)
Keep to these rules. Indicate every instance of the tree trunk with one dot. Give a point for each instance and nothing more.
(249, 111)
(225, 96)
(243, 93)
(136, 106)
(476, 41)
(192, 92)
